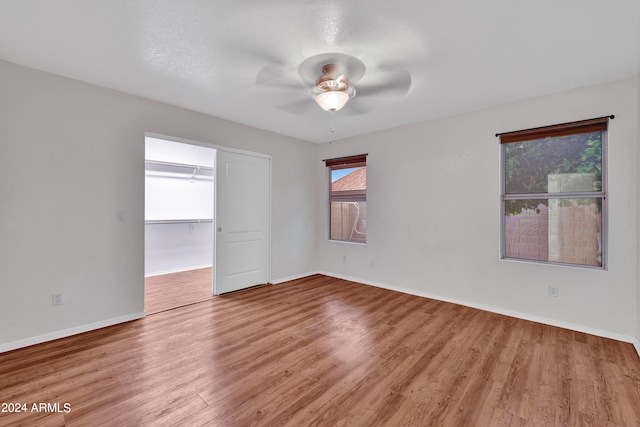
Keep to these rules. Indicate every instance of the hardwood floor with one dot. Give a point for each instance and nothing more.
(321, 351)
(168, 291)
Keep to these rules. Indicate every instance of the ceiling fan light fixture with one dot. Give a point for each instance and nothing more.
(332, 100)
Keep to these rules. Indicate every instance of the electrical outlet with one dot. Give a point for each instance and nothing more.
(553, 291)
(56, 299)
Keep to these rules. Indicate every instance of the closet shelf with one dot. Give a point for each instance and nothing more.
(178, 165)
(153, 167)
(178, 221)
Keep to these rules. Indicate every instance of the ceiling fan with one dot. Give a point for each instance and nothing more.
(334, 79)
(333, 87)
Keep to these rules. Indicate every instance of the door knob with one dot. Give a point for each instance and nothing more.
(219, 229)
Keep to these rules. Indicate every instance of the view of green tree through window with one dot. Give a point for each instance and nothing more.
(554, 194)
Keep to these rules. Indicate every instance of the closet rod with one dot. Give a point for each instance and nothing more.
(177, 221)
(179, 165)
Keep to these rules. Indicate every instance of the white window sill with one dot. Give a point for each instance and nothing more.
(348, 243)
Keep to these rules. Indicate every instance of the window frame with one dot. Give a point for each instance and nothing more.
(348, 162)
(600, 124)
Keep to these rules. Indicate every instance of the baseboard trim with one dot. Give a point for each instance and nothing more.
(510, 313)
(68, 332)
(178, 270)
(294, 277)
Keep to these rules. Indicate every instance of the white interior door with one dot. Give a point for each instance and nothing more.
(242, 223)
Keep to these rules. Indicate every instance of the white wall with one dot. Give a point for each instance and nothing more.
(425, 179)
(71, 156)
(637, 338)
(170, 151)
(170, 248)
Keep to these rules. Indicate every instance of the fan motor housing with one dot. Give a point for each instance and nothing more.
(329, 81)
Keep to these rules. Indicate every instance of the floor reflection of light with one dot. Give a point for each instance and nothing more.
(349, 334)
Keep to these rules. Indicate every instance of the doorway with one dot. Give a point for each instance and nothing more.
(179, 234)
(207, 221)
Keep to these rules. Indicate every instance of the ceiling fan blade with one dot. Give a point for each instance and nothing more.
(355, 107)
(395, 83)
(270, 72)
(284, 84)
(249, 55)
(297, 107)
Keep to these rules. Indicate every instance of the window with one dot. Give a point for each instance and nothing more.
(554, 193)
(348, 198)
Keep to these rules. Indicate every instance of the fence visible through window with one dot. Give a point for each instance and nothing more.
(554, 199)
(348, 199)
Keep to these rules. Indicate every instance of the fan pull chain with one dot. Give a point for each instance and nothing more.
(331, 125)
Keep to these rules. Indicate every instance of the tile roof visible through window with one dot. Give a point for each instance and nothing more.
(355, 181)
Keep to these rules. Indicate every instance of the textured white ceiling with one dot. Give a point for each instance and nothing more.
(238, 60)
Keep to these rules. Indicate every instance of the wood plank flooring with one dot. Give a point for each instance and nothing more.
(321, 351)
(168, 291)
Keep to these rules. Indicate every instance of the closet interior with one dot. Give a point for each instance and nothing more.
(179, 229)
